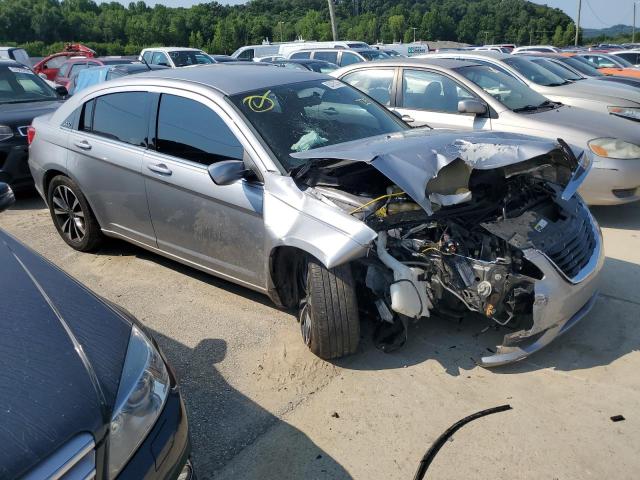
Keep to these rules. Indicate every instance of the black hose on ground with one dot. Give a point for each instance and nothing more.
(442, 439)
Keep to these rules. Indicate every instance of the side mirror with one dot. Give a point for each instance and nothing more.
(6, 197)
(62, 90)
(227, 172)
(472, 106)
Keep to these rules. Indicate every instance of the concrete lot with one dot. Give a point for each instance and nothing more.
(261, 406)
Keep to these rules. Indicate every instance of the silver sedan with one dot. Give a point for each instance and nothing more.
(299, 186)
(464, 94)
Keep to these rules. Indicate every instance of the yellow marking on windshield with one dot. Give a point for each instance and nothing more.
(259, 103)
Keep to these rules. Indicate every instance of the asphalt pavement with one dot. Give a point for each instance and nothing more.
(261, 406)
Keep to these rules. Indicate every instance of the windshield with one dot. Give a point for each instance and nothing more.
(19, 85)
(535, 73)
(581, 65)
(621, 61)
(186, 58)
(512, 93)
(561, 71)
(302, 116)
(373, 55)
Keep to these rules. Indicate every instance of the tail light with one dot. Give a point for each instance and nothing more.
(31, 134)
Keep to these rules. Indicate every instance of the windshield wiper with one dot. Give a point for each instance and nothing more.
(558, 84)
(302, 170)
(533, 108)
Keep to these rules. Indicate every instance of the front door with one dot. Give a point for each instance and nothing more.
(431, 98)
(105, 158)
(217, 227)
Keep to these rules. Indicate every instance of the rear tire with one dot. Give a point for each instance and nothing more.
(72, 216)
(328, 315)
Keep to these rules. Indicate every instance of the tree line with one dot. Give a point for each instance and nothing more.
(43, 26)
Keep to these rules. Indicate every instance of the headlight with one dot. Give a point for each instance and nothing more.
(626, 112)
(143, 389)
(5, 132)
(614, 148)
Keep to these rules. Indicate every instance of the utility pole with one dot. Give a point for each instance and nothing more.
(332, 15)
(414, 33)
(281, 31)
(578, 21)
(633, 34)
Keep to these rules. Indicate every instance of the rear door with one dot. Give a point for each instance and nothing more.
(105, 159)
(217, 227)
(431, 98)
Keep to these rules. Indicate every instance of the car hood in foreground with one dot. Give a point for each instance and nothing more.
(62, 350)
(414, 157)
(20, 114)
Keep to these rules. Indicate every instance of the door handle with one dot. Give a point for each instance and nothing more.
(83, 144)
(160, 168)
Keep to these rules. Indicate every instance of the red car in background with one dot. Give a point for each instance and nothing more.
(50, 65)
(72, 66)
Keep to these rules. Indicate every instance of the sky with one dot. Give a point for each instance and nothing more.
(595, 13)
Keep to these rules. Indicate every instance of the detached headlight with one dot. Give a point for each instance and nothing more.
(614, 148)
(143, 389)
(626, 112)
(5, 132)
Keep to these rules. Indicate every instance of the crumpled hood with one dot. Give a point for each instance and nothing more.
(411, 158)
(62, 353)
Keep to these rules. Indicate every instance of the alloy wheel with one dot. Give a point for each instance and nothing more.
(69, 213)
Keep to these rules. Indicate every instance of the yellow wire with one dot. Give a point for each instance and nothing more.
(430, 248)
(388, 195)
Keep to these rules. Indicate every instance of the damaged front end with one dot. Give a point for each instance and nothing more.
(488, 224)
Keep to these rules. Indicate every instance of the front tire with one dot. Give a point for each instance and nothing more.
(328, 315)
(72, 215)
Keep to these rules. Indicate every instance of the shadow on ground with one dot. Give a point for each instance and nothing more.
(625, 217)
(223, 422)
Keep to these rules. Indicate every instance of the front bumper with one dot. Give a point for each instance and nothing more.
(14, 167)
(612, 182)
(164, 454)
(559, 304)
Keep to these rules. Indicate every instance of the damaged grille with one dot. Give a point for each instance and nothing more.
(572, 254)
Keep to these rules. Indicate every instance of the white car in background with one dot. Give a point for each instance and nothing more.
(536, 48)
(174, 57)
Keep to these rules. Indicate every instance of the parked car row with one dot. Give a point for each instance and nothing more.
(403, 188)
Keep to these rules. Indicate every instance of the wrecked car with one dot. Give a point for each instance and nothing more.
(299, 186)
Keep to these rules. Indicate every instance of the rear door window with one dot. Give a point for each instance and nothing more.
(349, 58)
(159, 58)
(326, 56)
(376, 83)
(119, 116)
(301, 55)
(190, 130)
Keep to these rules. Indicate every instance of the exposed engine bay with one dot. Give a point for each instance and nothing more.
(467, 253)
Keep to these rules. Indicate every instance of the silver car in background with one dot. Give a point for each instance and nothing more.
(619, 99)
(299, 186)
(469, 95)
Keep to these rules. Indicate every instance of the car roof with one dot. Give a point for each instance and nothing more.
(237, 78)
(418, 62)
(172, 49)
(480, 53)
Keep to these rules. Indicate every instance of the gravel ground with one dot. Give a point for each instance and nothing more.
(261, 406)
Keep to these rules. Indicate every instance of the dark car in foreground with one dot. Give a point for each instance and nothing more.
(23, 96)
(84, 390)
